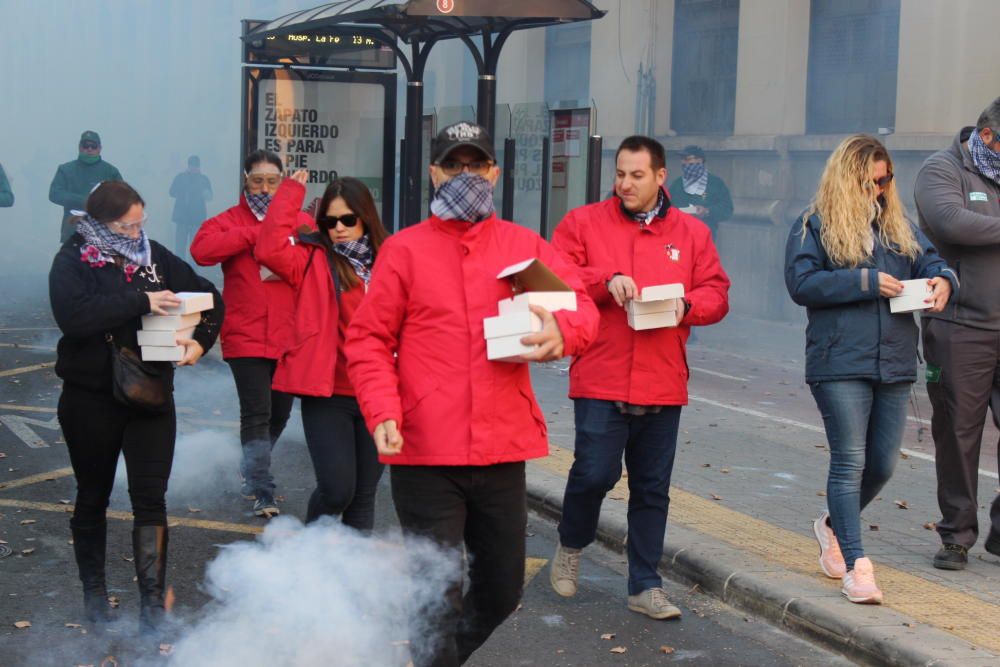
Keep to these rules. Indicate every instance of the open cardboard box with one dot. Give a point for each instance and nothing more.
(912, 297)
(537, 285)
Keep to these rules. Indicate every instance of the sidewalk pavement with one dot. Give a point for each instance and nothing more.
(750, 478)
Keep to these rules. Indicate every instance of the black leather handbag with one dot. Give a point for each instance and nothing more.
(135, 383)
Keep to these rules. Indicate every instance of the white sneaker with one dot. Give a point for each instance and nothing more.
(859, 584)
(565, 570)
(653, 602)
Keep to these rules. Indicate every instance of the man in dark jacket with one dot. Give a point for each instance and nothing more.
(700, 193)
(190, 190)
(75, 179)
(958, 201)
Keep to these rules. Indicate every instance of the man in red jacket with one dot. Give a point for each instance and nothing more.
(629, 386)
(258, 324)
(456, 428)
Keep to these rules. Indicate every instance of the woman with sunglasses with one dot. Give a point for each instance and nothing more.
(258, 325)
(104, 278)
(844, 259)
(330, 270)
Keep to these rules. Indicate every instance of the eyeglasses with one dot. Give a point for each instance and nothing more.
(257, 180)
(89, 145)
(129, 226)
(884, 181)
(456, 167)
(328, 222)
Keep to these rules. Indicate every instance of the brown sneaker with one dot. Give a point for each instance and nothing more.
(565, 570)
(653, 602)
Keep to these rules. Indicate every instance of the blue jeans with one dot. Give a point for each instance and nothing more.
(865, 421)
(649, 443)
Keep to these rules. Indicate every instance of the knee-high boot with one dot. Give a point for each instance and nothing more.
(149, 545)
(89, 547)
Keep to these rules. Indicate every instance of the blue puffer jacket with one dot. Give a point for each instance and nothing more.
(851, 333)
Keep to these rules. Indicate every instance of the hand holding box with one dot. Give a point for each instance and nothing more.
(913, 297)
(657, 307)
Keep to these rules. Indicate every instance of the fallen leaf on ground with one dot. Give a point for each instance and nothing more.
(113, 602)
(619, 649)
(27, 552)
(21, 625)
(128, 559)
(821, 493)
(608, 636)
(166, 649)
(65, 501)
(27, 522)
(706, 465)
(930, 525)
(73, 625)
(724, 470)
(873, 527)
(193, 510)
(902, 504)
(666, 649)
(715, 497)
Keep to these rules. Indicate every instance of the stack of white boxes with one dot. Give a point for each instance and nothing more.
(656, 307)
(912, 297)
(544, 288)
(160, 333)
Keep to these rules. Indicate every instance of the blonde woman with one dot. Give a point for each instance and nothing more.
(845, 257)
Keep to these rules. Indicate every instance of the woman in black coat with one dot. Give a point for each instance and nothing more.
(103, 280)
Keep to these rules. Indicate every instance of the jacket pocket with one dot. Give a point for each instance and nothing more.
(411, 400)
(536, 412)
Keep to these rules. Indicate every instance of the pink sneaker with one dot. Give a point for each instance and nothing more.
(831, 561)
(859, 584)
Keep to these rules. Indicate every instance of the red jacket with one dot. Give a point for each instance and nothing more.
(308, 366)
(258, 313)
(433, 285)
(640, 367)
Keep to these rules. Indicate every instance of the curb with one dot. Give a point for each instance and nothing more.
(873, 635)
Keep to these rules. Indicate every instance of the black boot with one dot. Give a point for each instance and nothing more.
(89, 546)
(149, 546)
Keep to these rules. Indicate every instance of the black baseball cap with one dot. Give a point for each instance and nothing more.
(458, 135)
(90, 136)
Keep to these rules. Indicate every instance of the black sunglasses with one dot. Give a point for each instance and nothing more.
(89, 145)
(328, 222)
(884, 181)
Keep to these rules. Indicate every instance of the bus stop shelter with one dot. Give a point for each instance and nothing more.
(420, 24)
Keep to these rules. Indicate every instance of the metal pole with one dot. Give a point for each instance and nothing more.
(486, 104)
(507, 203)
(543, 219)
(594, 169)
(402, 186)
(411, 159)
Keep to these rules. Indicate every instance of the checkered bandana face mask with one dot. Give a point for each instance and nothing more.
(987, 160)
(465, 197)
(258, 203)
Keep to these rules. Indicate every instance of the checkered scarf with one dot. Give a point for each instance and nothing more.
(646, 217)
(360, 255)
(103, 245)
(695, 178)
(258, 203)
(465, 197)
(987, 160)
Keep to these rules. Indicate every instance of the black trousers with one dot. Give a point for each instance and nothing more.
(484, 508)
(263, 416)
(968, 384)
(97, 428)
(344, 459)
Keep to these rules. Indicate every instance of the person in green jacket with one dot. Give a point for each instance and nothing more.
(701, 191)
(75, 179)
(6, 194)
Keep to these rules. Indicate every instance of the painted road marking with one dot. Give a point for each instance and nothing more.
(26, 369)
(22, 346)
(35, 479)
(532, 566)
(21, 427)
(964, 616)
(718, 374)
(172, 521)
(29, 329)
(24, 408)
(812, 427)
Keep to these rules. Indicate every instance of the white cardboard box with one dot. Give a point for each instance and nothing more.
(511, 324)
(912, 297)
(191, 302)
(170, 322)
(648, 307)
(660, 292)
(550, 301)
(267, 275)
(163, 338)
(507, 348)
(666, 318)
(162, 353)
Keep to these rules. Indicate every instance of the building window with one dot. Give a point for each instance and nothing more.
(853, 63)
(567, 64)
(703, 88)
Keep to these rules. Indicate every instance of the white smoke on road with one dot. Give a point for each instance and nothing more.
(317, 595)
